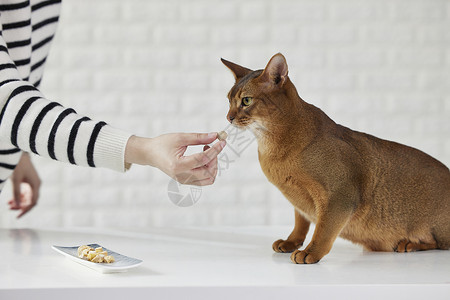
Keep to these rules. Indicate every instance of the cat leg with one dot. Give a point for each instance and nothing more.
(408, 246)
(296, 237)
(328, 227)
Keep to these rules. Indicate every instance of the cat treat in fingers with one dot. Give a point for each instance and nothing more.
(376, 193)
(222, 136)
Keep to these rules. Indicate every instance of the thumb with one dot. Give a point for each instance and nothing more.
(198, 138)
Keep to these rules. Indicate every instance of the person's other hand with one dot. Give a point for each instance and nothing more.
(26, 184)
(166, 152)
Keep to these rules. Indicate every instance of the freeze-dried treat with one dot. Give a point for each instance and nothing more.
(97, 255)
(83, 250)
(109, 259)
(91, 255)
(84, 253)
(222, 136)
(98, 258)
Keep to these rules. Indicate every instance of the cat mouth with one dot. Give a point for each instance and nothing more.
(242, 123)
(256, 127)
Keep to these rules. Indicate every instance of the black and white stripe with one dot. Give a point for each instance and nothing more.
(72, 137)
(9, 158)
(30, 122)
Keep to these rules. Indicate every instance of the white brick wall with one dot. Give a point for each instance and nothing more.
(151, 67)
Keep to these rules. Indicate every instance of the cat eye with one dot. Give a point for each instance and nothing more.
(246, 101)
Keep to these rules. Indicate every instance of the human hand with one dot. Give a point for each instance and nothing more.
(166, 152)
(26, 184)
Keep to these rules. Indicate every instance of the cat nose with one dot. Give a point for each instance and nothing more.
(231, 118)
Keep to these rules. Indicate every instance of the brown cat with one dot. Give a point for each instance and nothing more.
(380, 194)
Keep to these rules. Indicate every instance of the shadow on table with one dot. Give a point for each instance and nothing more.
(26, 241)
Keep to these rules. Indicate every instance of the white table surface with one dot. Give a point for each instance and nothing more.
(214, 263)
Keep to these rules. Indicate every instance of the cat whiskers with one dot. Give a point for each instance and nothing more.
(244, 121)
(257, 128)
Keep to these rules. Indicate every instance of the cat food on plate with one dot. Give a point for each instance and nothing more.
(222, 136)
(113, 262)
(97, 255)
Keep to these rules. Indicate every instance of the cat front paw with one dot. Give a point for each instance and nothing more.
(404, 246)
(304, 257)
(409, 246)
(284, 246)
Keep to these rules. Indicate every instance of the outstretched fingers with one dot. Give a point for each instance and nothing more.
(204, 158)
(204, 174)
(208, 171)
(211, 167)
(191, 139)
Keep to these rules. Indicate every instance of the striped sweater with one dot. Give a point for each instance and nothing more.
(30, 122)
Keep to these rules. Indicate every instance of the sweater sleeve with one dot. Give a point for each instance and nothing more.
(30, 122)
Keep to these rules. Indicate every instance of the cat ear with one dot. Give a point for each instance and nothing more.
(238, 71)
(276, 71)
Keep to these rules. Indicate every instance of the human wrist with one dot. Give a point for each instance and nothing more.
(132, 150)
(138, 151)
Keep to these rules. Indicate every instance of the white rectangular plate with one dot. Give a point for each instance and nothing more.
(122, 263)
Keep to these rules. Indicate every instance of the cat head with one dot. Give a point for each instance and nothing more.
(258, 97)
